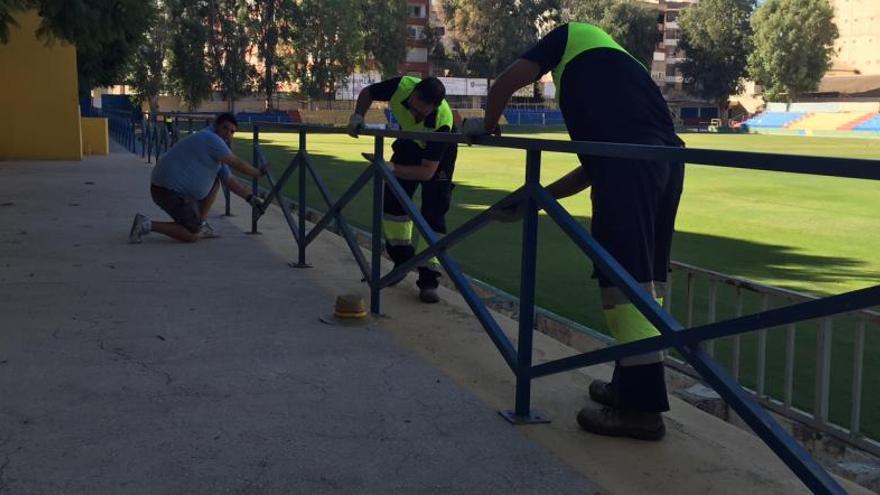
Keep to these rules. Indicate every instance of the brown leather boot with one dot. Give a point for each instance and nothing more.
(612, 422)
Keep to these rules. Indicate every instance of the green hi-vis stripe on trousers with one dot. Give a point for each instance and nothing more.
(628, 324)
(421, 246)
(398, 230)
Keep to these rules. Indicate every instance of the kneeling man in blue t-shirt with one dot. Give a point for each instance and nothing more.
(186, 178)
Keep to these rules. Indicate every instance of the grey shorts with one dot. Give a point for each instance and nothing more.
(184, 210)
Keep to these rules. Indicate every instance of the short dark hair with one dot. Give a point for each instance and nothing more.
(225, 117)
(431, 90)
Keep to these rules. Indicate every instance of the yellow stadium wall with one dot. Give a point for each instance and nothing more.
(95, 136)
(38, 96)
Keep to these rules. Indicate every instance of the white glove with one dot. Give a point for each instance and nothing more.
(355, 124)
(473, 127)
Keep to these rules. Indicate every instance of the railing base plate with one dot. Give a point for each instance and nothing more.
(534, 418)
(294, 264)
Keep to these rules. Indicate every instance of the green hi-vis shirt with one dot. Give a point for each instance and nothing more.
(581, 38)
(396, 91)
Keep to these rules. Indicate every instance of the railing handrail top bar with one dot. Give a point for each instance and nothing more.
(760, 288)
(855, 168)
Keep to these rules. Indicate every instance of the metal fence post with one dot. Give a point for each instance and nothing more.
(522, 413)
(858, 368)
(301, 204)
(148, 135)
(227, 198)
(255, 182)
(713, 306)
(157, 147)
(376, 262)
(761, 365)
(823, 369)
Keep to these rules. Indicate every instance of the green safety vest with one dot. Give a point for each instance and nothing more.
(582, 37)
(405, 117)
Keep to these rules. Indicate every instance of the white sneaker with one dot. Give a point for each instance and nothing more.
(207, 232)
(139, 228)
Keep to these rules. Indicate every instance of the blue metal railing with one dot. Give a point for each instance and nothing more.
(672, 333)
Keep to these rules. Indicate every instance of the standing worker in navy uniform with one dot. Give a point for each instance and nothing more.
(418, 105)
(607, 95)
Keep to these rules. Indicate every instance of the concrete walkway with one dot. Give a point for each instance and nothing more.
(171, 368)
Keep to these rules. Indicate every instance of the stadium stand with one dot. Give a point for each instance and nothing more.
(774, 120)
(338, 117)
(263, 117)
(826, 121)
(872, 124)
(533, 117)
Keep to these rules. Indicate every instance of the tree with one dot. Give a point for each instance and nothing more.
(717, 40)
(228, 46)
(793, 46)
(106, 33)
(328, 44)
(188, 74)
(270, 27)
(629, 22)
(384, 25)
(8, 8)
(487, 35)
(147, 68)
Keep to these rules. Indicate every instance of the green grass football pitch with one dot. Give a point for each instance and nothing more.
(813, 234)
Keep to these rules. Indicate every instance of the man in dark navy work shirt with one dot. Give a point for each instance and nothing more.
(417, 105)
(607, 95)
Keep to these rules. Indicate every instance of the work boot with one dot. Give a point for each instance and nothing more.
(601, 392)
(429, 296)
(612, 422)
(428, 283)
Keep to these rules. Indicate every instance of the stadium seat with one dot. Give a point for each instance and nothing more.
(774, 120)
(825, 121)
(872, 125)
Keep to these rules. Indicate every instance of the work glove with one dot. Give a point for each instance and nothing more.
(512, 212)
(257, 201)
(355, 124)
(472, 128)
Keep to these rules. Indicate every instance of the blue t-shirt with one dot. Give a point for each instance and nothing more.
(192, 165)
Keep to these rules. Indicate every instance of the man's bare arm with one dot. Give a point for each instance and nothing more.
(365, 99)
(237, 188)
(570, 184)
(423, 172)
(515, 76)
(240, 165)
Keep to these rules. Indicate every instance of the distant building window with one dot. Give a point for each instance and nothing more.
(417, 55)
(417, 11)
(415, 32)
